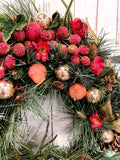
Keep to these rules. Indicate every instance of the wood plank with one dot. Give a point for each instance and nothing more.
(85, 8)
(107, 14)
(55, 5)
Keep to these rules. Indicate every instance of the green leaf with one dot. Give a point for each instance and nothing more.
(9, 26)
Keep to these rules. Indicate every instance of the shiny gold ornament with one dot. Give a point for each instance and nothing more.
(93, 95)
(62, 72)
(43, 18)
(6, 89)
(107, 136)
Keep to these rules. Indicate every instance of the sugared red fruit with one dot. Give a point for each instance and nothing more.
(6, 89)
(4, 48)
(9, 62)
(62, 32)
(19, 35)
(84, 50)
(62, 48)
(1, 37)
(73, 49)
(52, 34)
(74, 39)
(32, 31)
(37, 72)
(19, 49)
(77, 91)
(2, 72)
(28, 45)
(75, 59)
(85, 61)
(45, 35)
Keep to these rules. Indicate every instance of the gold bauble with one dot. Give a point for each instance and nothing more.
(62, 72)
(43, 18)
(6, 89)
(93, 95)
(107, 136)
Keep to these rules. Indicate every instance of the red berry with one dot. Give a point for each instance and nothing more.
(84, 50)
(73, 49)
(75, 59)
(9, 62)
(32, 31)
(2, 72)
(85, 61)
(28, 45)
(62, 32)
(52, 34)
(19, 35)
(45, 35)
(74, 39)
(19, 49)
(4, 48)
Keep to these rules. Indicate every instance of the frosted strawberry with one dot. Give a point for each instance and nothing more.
(19, 35)
(19, 49)
(45, 35)
(28, 45)
(84, 50)
(74, 39)
(4, 48)
(32, 31)
(62, 32)
(73, 49)
(75, 59)
(2, 72)
(9, 62)
(85, 61)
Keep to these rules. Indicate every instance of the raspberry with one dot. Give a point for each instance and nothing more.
(75, 59)
(4, 48)
(19, 49)
(62, 32)
(45, 35)
(74, 39)
(73, 49)
(19, 35)
(10, 62)
(84, 50)
(28, 45)
(2, 72)
(85, 61)
(32, 31)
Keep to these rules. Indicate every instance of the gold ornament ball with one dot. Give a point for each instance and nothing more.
(62, 72)
(43, 18)
(6, 89)
(93, 95)
(107, 136)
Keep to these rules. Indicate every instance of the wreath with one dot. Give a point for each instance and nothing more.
(61, 56)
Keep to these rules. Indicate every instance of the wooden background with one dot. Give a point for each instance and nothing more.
(101, 14)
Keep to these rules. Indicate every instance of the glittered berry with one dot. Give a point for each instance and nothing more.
(19, 49)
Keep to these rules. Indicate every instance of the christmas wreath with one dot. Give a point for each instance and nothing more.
(61, 56)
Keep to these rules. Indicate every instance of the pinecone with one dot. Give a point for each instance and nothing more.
(83, 157)
(110, 83)
(20, 94)
(114, 145)
(58, 84)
